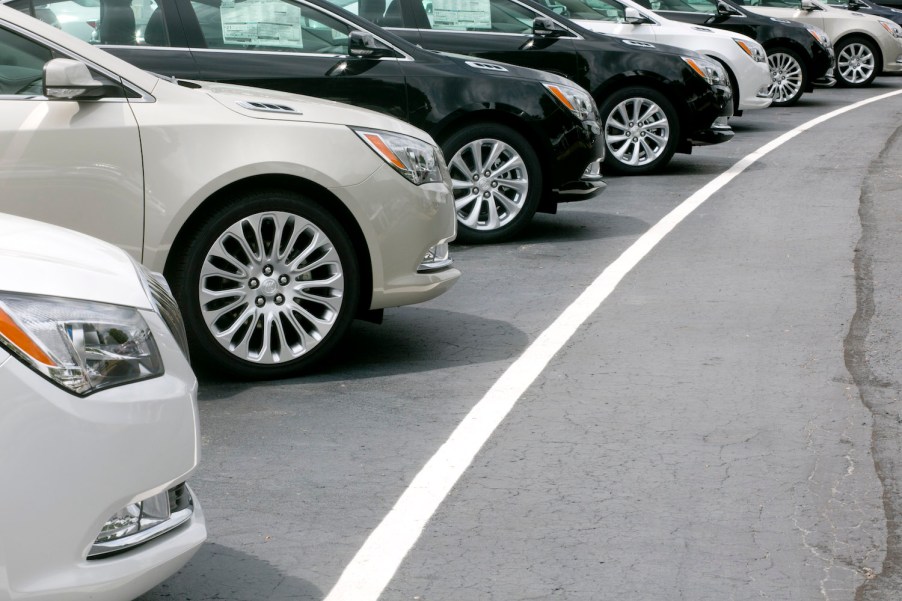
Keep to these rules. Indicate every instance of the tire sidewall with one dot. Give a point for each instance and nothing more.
(185, 279)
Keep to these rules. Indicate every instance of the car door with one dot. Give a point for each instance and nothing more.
(75, 164)
(146, 33)
(492, 29)
(293, 47)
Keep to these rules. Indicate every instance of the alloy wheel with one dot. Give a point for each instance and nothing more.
(856, 63)
(271, 287)
(637, 131)
(787, 77)
(490, 183)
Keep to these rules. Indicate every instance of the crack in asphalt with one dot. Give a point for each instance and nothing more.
(878, 394)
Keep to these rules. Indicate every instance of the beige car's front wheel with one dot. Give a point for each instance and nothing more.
(268, 286)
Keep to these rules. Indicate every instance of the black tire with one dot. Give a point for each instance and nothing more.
(491, 208)
(276, 246)
(790, 74)
(857, 62)
(634, 154)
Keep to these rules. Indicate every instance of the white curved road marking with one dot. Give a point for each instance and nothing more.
(377, 561)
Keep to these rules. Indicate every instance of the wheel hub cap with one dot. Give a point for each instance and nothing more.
(637, 131)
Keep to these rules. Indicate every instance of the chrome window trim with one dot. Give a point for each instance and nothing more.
(575, 36)
(145, 96)
(405, 58)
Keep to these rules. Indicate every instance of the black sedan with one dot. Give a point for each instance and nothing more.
(799, 55)
(516, 140)
(654, 99)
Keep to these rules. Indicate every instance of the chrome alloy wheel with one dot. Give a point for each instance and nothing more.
(786, 73)
(490, 184)
(855, 63)
(271, 287)
(637, 131)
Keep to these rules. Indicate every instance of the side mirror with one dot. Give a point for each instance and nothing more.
(362, 44)
(809, 5)
(634, 17)
(67, 79)
(855, 5)
(725, 10)
(545, 27)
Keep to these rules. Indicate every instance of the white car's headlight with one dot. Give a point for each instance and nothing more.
(753, 49)
(82, 346)
(416, 160)
(893, 29)
(820, 35)
(710, 70)
(574, 99)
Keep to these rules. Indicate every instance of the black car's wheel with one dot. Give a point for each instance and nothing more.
(268, 285)
(641, 130)
(790, 76)
(497, 181)
(856, 63)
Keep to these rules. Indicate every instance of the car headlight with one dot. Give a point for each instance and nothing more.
(753, 49)
(709, 70)
(574, 99)
(893, 29)
(416, 160)
(820, 35)
(82, 346)
(164, 304)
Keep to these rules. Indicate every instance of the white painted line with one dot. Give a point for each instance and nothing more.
(376, 563)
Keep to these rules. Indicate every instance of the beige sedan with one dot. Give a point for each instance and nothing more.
(865, 45)
(277, 218)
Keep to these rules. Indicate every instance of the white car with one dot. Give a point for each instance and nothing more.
(98, 421)
(865, 45)
(276, 218)
(743, 58)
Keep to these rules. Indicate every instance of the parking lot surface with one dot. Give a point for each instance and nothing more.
(725, 425)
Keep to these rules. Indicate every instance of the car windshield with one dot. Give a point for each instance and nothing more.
(589, 10)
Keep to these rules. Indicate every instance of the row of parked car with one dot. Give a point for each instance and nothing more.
(278, 218)
(276, 236)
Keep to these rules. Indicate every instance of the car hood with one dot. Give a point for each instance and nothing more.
(490, 68)
(283, 106)
(37, 258)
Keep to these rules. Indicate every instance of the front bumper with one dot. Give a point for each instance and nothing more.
(401, 222)
(576, 171)
(719, 132)
(76, 461)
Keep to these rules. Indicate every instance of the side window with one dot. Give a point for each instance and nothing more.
(605, 10)
(501, 16)
(113, 22)
(270, 25)
(699, 6)
(21, 65)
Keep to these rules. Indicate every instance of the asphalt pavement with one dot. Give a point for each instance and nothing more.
(726, 425)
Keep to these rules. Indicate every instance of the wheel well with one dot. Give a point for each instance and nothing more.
(543, 149)
(878, 54)
(788, 44)
(618, 83)
(318, 194)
